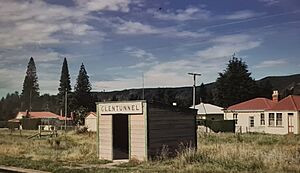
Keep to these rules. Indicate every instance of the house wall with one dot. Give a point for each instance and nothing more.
(170, 128)
(283, 129)
(243, 121)
(91, 123)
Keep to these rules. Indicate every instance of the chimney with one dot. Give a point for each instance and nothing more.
(275, 96)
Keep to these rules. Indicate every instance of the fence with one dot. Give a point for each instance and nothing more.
(218, 125)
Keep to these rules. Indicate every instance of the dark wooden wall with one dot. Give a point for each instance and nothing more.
(172, 127)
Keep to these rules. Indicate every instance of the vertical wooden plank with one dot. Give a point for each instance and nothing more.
(137, 141)
(105, 131)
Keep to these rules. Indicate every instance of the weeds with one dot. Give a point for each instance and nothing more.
(215, 153)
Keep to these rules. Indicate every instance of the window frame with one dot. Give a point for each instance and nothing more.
(235, 115)
(271, 120)
(251, 121)
(278, 119)
(262, 119)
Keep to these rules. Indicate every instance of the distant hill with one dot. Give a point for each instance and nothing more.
(286, 85)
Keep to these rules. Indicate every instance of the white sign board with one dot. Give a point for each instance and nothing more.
(121, 108)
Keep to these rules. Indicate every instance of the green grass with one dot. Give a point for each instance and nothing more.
(216, 153)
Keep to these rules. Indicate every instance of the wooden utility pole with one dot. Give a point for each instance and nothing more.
(194, 87)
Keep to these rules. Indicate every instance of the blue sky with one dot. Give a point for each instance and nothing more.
(120, 40)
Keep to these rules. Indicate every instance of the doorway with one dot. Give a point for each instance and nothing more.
(120, 137)
(290, 123)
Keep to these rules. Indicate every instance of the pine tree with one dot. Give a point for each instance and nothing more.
(64, 86)
(234, 85)
(65, 83)
(30, 91)
(82, 91)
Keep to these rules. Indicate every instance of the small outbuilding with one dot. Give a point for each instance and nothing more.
(209, 112)
(90, 122)
(141, 130)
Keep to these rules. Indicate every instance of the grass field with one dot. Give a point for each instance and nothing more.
(215, 153)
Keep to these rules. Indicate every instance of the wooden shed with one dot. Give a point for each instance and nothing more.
(137, 129)
(90, 122)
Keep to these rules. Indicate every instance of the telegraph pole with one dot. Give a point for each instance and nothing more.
(194, 87)
(143, 90)
(66, 109)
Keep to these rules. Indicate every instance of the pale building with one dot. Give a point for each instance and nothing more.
(142, 130)
(209, 111)
(266, 116)
(91, 121)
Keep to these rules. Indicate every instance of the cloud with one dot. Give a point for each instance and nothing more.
(240, 15)
(110, 5)
(269, 2)
(137, 28)
(140, 54)
(208, 61)
(32, 22)
(190, 13)
(225, 46)
(271, 63)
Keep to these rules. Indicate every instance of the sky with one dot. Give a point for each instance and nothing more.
(125, 43)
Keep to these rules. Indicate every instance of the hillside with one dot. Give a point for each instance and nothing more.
(284, 84)
(183, 95)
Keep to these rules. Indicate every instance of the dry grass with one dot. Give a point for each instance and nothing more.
(215, 153)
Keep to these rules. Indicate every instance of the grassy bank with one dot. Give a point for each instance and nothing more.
(215, 153)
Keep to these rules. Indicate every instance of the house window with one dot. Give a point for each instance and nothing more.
(262, 119)
(271, 119)
(279, 119)
(235, 117)
(251, 120)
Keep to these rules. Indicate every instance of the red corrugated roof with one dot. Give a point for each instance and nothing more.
(289, 103)
(253, 104)
(35, 115)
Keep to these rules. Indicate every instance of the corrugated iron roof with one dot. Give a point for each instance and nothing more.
(206, 108)
(35, 115)
(291, 102)
(254, 104)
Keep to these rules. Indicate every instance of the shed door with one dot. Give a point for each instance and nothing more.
(290, 123)
(120, 137)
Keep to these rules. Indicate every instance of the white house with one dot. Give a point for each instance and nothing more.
(91, 121)
(209, 111)
(284, 117)
(266, 116)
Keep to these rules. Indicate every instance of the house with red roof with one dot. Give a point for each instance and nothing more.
(284, 117)
(41, 118)
(266, 116)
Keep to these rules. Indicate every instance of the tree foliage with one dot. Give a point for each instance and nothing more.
(30, 91)
(234, 85)
(65, 83)
(82, 91)
(64, 86)
(9, 106)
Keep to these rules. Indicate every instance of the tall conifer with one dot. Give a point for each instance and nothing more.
(30, 92)
(82, 90)
(64, 86)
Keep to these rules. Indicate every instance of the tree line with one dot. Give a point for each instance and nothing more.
(233, 85)
(77, 102)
